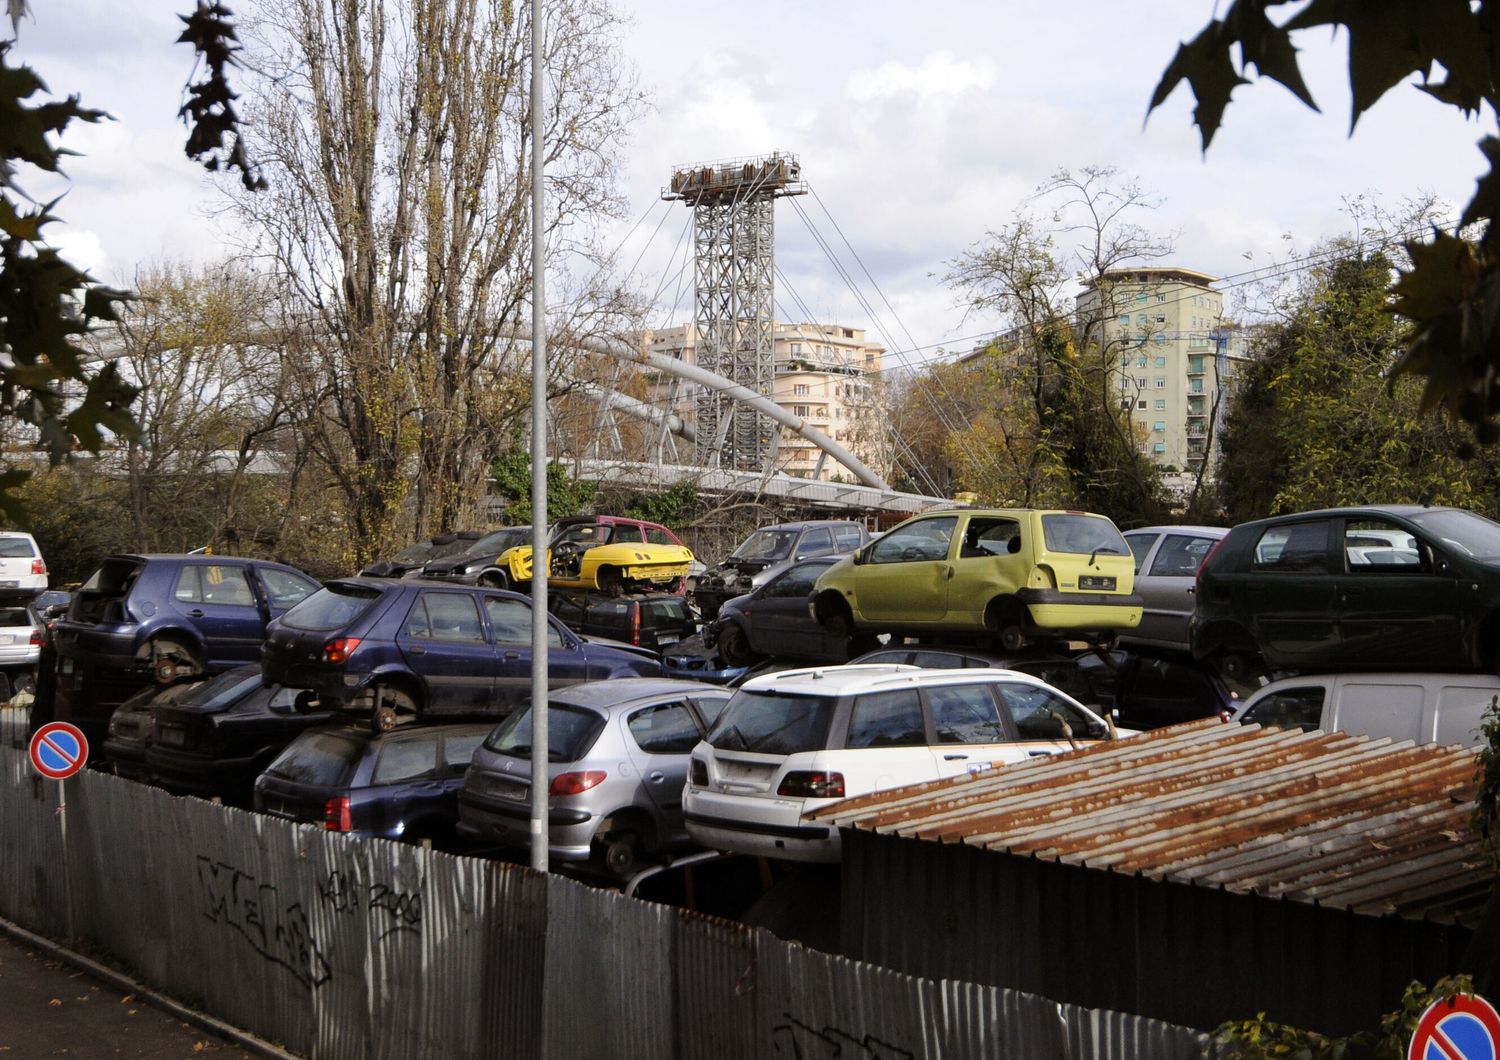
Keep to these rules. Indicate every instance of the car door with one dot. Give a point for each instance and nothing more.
(510, 624)
(969, 729)
(887, 745)
(659, 739)
(905, 576)
(815, 542)
(406, 784)
(218, 600)
(1286, 595)
(779, 623)
(1396, 602)
(443, 641)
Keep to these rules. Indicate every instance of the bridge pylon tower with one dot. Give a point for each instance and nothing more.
(734, 277)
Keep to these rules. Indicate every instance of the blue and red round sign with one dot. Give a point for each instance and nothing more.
(58, 750)
(1464, 1028)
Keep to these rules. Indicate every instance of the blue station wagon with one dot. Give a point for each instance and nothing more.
(407, 648)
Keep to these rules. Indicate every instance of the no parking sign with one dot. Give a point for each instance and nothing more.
(1464, 1028)
(58, 750)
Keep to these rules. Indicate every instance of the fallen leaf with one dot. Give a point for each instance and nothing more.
(55, 1002)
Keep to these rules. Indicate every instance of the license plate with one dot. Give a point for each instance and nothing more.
(513, 792)
(1093, 581)
(670, 638)
(10, 584)
(173, 737)
(6, 638)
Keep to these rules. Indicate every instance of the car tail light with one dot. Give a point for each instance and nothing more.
(338, 650)
(338, 815)
(635, 626)
(1203, 564)
(576, 783)
(698, 772)
(38, 567)
(812, 784)
(36, 638)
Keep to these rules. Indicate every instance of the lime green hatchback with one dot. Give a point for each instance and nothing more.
(1016, 573)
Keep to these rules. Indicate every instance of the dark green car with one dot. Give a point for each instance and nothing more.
(1398, 587)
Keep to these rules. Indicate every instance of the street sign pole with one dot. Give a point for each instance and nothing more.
(58, 751)
(539, 624)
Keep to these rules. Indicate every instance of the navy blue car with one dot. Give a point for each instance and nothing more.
(409, 648)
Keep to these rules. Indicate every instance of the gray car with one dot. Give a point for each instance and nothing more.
(765, 554)
(1167, 559)
(619, 759)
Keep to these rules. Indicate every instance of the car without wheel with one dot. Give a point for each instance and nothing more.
(617, 756)
(1337, 590)
(608, 553)
(410, 648)
(1166, 571)
(646, 620)
(479, 564)
(1015, 574)
(765, 554)
(796, 741)
(774, 621)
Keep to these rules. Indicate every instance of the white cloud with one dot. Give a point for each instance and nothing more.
(939, 74)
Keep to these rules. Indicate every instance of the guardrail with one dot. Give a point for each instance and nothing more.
(335, 947)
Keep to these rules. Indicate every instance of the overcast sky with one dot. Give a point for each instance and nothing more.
(918, 127)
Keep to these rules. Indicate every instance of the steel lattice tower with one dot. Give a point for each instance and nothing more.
(734, 270)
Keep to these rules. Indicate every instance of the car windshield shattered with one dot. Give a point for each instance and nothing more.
(1084, 534)
(773, 723)
(1471, 534)
(766, 545)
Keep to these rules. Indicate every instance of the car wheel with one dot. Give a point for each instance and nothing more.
(734, 645)
(1011, 638)
(838, 626)
(171, 659)
(621, 853)
(611, 581)
(393, 707)
(1234, 666)
(494, 579)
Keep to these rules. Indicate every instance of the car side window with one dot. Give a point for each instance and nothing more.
(1040, 714)
(711, 707)
(926, 539)
(1293, 547)
(990, 537)
(448, 617)
(965, 714)
(848, 537)
(200, 583)
(511, 622)
(405, 760)
(458, 749)
(887, 719)
(283, 588)
(1140, 547)
(1374, 546)
(1180, 555)
(665, 729)
(658, 537)
(1291, 708)
(798, 581)
(816, 543)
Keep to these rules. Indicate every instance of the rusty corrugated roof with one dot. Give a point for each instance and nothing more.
(1373, 826)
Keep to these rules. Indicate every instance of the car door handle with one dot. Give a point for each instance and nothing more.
(948, 572)
(417, 649)
(656, 776)
(196, 612)
(512, 656)
(1037, 754)
(955, 758)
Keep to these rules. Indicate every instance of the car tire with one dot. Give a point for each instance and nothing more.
(734, 645)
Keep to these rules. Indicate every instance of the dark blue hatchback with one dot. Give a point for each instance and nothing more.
(414, 648)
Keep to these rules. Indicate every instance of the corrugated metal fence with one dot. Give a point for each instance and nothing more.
(338, 948)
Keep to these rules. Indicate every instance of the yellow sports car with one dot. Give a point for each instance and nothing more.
(608, 553)
(1016, 574)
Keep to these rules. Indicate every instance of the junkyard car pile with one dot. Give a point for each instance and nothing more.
(397, 703)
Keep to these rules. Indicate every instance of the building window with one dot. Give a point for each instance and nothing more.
(1161, 318)
(800, 410)
(1161, 340)
(1159, 447)
(1161, 382)
(796, 348)
(1125, 319)
(1124, 360)
(1196, 387)
(801, 390)
(1140, 362)
(1161, 403)
(1140, 404)
(1141, 298)
(1161, 362)
(1140, 381)
(1159, 425)
(1161, 298)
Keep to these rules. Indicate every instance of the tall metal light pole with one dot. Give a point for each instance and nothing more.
(539, 625)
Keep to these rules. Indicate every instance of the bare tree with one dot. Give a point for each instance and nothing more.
(396, 140)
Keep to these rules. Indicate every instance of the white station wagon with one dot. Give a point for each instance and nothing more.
(793, 742)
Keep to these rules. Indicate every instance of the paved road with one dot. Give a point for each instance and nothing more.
(48, 1008)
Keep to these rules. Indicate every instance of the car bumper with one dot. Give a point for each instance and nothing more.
(195, 773)
(569, 831)
(1053, 609)
(127, 759)
(762, 827)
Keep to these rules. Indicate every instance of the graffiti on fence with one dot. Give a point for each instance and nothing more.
(396, 911)
(278, 931)
(801, 1041)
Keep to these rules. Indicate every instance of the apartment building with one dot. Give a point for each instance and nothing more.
(827, 374)
(1175, 355)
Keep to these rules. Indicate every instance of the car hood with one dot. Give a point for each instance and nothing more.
(453, 563)
(618, 645)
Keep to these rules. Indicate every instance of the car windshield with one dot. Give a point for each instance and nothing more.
(226, 688)
(417, 553)
(773, 723)
(498, 542)
(1085, 534)
(1471, 534)
(321, 759)
(571, 731)
(767, 545)
(16, 548)
(14, 616)
(331, 607)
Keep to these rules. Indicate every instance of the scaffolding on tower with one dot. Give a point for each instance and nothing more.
(734, 269)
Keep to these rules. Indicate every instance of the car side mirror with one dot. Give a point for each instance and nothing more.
(862, 556)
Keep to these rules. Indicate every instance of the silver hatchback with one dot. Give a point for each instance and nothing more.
(618, 755)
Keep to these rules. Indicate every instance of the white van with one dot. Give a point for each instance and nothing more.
(1423, 708)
